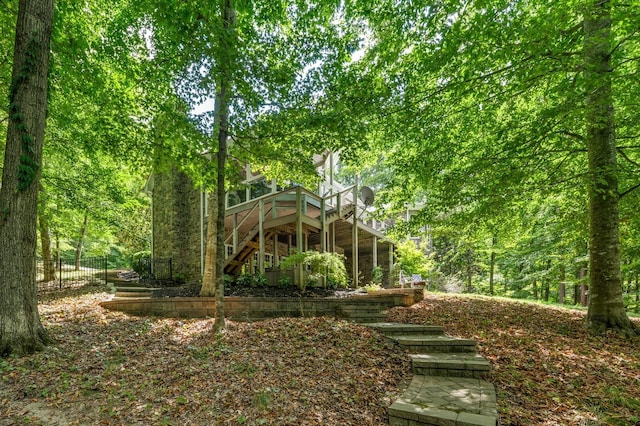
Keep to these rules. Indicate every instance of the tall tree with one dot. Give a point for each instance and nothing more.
(20, 328)
(223, 74)
(606, 309)
(260, 61)
(496, 101)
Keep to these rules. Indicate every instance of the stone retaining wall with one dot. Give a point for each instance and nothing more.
(258, 308)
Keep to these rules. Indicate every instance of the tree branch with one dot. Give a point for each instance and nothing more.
(626, 157)
(628, 191)
(622, 41)
(571, 134)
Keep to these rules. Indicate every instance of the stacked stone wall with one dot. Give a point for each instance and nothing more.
(176, 223)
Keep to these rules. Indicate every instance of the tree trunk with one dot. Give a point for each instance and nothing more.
(49, 266)
(221, 125)
(21, 331)
(209, 279)
(637, 307)
(535, 289)
(83, 233)
(580, 290)
(562, 288)
(546, 285)
(492, 264)
(546, 290)
(469, 271)
(606, 308)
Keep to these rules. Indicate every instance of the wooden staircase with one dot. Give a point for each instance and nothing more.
(343, 213)
(246, 248)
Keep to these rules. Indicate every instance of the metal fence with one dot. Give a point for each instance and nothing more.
(155, 270)
(67, 273)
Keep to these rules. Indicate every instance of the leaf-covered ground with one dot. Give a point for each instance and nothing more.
(108, 368)
(547, 369)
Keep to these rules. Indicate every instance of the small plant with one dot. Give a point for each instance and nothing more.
(376, 275)
(228, 280)
(284, 282)
(259, 280)
(245, 280)
(371, 287)
(245, 368)
(263, 399)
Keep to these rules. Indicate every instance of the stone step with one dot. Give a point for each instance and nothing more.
(398, 329)
(445, 401)
(367, 320)
(348, 309)
(418, 344)
(364, 317)
(124, 292)
(468, 365)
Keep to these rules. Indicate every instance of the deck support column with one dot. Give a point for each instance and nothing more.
(235, 232)
(375, 252)
(276, 255)
(391, 283)
(323, 237)
(261, 246)
(299, 243)
(354, 238)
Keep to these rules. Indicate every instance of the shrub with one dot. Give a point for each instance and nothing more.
(319, 265)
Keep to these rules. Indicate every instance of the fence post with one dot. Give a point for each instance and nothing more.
(106, 264)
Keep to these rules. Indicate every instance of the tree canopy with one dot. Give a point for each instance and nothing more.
(513, 125)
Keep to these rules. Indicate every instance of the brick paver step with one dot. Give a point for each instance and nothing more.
(398, 329)
(466, 364)
(419, 344)
(445, 401)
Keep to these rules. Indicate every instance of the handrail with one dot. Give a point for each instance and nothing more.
(268, 197)
(244, 219)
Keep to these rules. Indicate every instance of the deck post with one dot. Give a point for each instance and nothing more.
(299, 243)
(323, 237)
(323, 226)
(391, 283)
(235, 232)
(261, 246)
(276, 255)
(354, 238)
(375, 251)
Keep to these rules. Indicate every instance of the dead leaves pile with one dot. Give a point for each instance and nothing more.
(108, 368)
(547, 368)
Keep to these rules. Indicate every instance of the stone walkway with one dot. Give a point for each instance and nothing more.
(449, 385)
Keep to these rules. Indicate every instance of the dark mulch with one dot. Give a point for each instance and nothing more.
(252, 291)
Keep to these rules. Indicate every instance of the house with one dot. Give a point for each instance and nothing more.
(265, 223)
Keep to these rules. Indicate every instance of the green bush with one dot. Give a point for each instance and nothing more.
(319, 265)
(413, 260)
(251, 280)
(245, 280)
